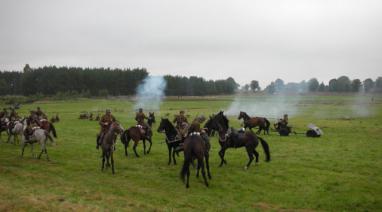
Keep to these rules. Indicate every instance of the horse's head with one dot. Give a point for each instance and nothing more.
(152, 117)
(241, 115)
(164, 123)
(117, 127)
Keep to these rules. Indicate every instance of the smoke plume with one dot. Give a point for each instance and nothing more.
(150, 93)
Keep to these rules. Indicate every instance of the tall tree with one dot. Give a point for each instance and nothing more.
(368, 84)
(356, 85)
(255, 85)
(313, 84)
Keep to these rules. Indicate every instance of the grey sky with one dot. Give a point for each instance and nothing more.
(262, 40)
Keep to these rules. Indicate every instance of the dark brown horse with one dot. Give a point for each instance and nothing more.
(151, 119)
(251, 122)
(237, 139)
(135, 134)
(229, 138)
(108, 143)
(194, 147)
(173, 142)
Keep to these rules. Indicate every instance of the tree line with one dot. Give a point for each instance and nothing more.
(340, 84)
(87, 82)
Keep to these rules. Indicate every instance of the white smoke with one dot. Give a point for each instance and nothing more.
(271, 107)
(150, 93)
(361, 104)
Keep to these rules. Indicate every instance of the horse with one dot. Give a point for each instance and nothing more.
(251, 122)
(173, 143)
(135, 133)
(39, 136)
(151, 119)
(237, 139)
(16, 130)
(4, 122)
(108, 143)
(229, 138)
(214, 121)
(195, 148)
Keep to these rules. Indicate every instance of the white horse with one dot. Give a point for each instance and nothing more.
(39, 136)
(17, 130)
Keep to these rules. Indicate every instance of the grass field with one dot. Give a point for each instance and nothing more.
(339, 172)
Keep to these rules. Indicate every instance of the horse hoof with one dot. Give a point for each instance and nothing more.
(209, 176)
(245, 167)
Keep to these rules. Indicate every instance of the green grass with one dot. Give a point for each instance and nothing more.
(339, 172)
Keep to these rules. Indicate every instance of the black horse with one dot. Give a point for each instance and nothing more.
(151, 119)
(173, 143)
(195, 148)
(229, 138)
(216, 122)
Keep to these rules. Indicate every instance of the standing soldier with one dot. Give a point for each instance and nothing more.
(105, 123)
(181, 124)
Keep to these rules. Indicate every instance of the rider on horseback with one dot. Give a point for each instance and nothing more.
(40, 114)
(105, 123)
(140, 118)
(13, 116)
(181, 124)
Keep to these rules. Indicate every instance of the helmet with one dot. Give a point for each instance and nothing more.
(108, 111)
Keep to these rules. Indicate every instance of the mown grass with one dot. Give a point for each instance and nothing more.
(338, 172)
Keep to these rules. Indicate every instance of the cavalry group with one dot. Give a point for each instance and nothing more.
(189, 137)
(32, 129)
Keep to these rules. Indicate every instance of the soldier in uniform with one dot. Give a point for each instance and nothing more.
(40, 114)
(181, 124)
(282, 126)
(105, 123)
(140, 117)
(13, 116)
(3, 114)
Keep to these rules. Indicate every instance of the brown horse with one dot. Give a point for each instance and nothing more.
(195, 147)
(108, 143)
(135, 134)
(48, 126)
(251, 122)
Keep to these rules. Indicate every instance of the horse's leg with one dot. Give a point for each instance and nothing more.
(125, 150)
(112, 163)
(256, 155)
(135, 148)
(47, 156)
(250, 155)
(151, 143)
(103, 160)
(188, 178)
(197, 170)
(169, 154)
(22, 148)
(201, 165)
(174, 151)
(108, 159)
(207, 156)
(221, 154)
(144, 146)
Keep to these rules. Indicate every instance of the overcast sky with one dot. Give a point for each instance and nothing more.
(262, 40)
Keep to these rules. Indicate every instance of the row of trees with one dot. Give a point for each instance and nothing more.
(72, 81)
(341, 84)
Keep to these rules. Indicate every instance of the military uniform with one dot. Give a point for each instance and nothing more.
(181, 124)
(140, 118)
(105, 122)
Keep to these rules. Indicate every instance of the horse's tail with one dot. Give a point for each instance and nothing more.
(185, 169)
(125, 138)
(265, 146)
(53, 130)
(48, 136)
